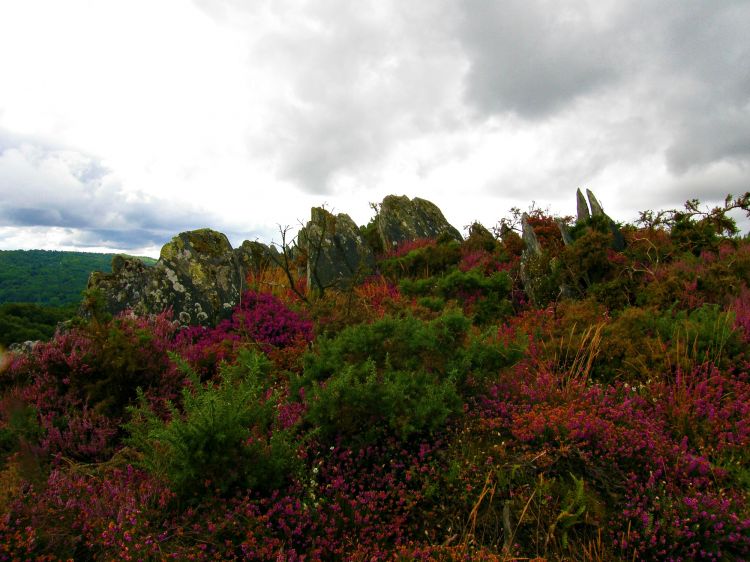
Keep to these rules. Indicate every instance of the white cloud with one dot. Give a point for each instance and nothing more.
(122, 123)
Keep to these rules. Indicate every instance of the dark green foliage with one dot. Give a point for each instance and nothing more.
(423, 262)
(224, 437)
(480, 239)
(544, 276)
(20, 426)
(395, 376)
(393, 343)
(361, 405)
(49, 277)
(21, 322)
(371, 236)
(487, 296)
(587, 261)
(121, 357)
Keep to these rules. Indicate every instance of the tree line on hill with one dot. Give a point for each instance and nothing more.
(40, 288)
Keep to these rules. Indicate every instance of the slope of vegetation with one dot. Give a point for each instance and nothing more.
(47, 277)
(430, 413)
(20, 322)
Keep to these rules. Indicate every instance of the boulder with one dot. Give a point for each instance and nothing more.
(401, 219)
(23, 347)
(254, 256)
(198, 275)
(337, 254)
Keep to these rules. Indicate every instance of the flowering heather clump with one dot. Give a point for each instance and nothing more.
(80, 382)
(378, 296)
(432, 412)
(75, 515)
(260, 318)
(409, 246)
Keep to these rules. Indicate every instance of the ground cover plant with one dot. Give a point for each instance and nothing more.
(431, 412)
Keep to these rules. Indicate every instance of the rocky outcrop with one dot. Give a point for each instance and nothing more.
(401, 219)
(533, 269)
(539, 271)
(337, 254)
(597, 213)
(198, 275)
(22, 347)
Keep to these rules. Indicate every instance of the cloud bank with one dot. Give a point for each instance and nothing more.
(239, 115)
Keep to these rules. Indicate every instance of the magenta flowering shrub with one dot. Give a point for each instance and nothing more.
(260, 319)
(80, 382)
(117, 515)
(660, 447)
(708, 407)
(611, 426)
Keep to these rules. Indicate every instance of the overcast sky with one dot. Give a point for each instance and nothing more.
(124, 123)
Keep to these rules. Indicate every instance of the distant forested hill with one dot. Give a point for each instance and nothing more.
(48, 277)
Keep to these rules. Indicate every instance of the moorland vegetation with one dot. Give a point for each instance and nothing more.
(431, 412)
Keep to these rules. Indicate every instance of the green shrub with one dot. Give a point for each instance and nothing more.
(486, 297)
(404, 344)
(224, 439)
(423, 262)
(360, 404)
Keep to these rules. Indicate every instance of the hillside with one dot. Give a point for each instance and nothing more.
(46, 277)
(564, 390)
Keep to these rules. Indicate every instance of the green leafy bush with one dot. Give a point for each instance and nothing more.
(359, 404)
(396, 343)
(484, 296)
(224, 439)
(423, 262)
(20, 322)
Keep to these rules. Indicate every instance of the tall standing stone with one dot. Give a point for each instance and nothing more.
(582, 208)
(337, 254)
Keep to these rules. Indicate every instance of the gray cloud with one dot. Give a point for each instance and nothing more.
(356, 80)
(44, 186)
(531, 60)
(648, 103)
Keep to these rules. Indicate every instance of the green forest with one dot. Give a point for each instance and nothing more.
(49, 277)
(467, 400)
(41, 288)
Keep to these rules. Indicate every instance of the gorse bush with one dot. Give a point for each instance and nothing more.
(398, 343)
(361, 405)
(225, 436)
(430, 259)
(484, 297)
(459, 404)
(396, 375)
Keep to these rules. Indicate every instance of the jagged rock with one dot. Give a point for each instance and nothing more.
(564, 232)
(618, 241)
(582, 208)
(401, 219)
(198, 275)
(532, 271)
(255, 256)
(23, 347)
(596, 208)
(531, 242)
(337, 254)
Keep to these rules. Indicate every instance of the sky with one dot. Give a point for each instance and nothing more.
(125, 123)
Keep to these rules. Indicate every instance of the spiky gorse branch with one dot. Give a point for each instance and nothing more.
(715, 217)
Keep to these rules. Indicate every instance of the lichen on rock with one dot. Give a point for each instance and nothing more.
(401, 219)
(198, 275)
